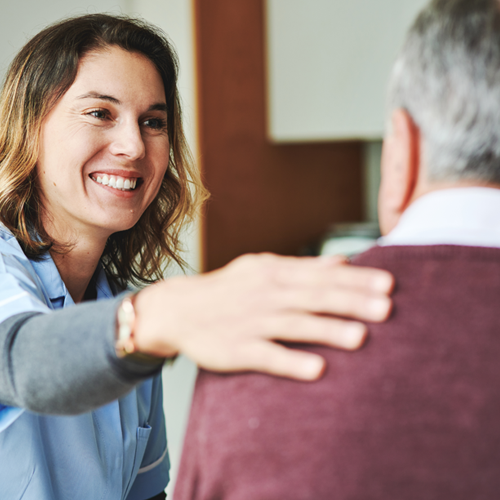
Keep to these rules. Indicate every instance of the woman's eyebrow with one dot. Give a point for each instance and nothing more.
(159, 106)
(96, 95)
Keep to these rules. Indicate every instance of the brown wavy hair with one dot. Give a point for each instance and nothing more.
(40, 75)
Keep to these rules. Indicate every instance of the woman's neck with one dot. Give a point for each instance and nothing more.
(77, 266)
(77, 256)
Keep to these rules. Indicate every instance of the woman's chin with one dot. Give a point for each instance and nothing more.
(116, 226)
(123, 227)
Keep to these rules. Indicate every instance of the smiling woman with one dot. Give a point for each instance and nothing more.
(96, 182)
(106, 133)
(127, 119)
(69, 108)
(91, 143)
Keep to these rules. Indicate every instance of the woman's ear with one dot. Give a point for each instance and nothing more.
(400, 169)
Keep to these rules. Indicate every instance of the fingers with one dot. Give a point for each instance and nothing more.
(272, 358)
(370, 279)
(325, 330)
(337, 301)
(320, 285)
(329, 271)
(352, 304)
(260, 353)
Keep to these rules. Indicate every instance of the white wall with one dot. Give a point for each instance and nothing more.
(21, 19)
(328, 63)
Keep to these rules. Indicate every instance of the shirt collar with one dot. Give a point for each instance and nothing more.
(55, 288)
(458, 216)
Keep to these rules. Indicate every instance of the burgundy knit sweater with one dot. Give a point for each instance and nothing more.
(413, 415)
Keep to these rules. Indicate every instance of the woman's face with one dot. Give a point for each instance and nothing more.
(104, 146)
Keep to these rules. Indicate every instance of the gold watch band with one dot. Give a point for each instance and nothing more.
(125, 322)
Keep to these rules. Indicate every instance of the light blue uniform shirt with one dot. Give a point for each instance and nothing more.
(116, 452)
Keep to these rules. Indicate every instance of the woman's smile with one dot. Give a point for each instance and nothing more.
(115, 181)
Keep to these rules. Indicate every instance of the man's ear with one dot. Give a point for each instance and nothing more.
(400, 169)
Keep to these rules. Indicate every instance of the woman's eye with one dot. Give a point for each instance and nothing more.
(156, 123)
(100, 114)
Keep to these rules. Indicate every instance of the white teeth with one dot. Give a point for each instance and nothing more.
(114, 181)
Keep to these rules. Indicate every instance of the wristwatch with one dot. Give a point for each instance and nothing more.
(125, 323)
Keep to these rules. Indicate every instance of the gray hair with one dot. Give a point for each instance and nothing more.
(447, 77)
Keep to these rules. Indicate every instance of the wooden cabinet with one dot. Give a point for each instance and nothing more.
(265, 197)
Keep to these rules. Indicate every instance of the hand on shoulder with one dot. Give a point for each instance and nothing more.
(227, 320)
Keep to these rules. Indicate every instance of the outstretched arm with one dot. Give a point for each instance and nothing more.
(64, 362)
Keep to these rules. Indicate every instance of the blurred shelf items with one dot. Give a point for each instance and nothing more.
(347, 239)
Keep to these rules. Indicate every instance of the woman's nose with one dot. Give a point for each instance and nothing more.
(128, 142)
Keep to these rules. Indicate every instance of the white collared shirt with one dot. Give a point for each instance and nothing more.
(458, 216)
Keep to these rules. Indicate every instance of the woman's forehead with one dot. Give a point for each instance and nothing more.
(113, 69)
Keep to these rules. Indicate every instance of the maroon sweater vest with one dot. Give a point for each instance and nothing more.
(415, 414)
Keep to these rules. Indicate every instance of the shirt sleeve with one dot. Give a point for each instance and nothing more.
(64, 362)
(56, 362)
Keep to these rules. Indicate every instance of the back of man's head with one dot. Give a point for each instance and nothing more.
(447, 78)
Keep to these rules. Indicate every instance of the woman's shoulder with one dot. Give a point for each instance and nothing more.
(20, 287)
(11, 254)
(8, 241)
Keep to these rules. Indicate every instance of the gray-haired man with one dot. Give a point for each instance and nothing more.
(414, 415)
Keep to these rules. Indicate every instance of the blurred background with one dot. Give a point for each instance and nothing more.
(284, 110)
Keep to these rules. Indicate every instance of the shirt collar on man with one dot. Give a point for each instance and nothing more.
(458, 216)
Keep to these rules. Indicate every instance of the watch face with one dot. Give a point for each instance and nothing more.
(125, 326)
(125, 346)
